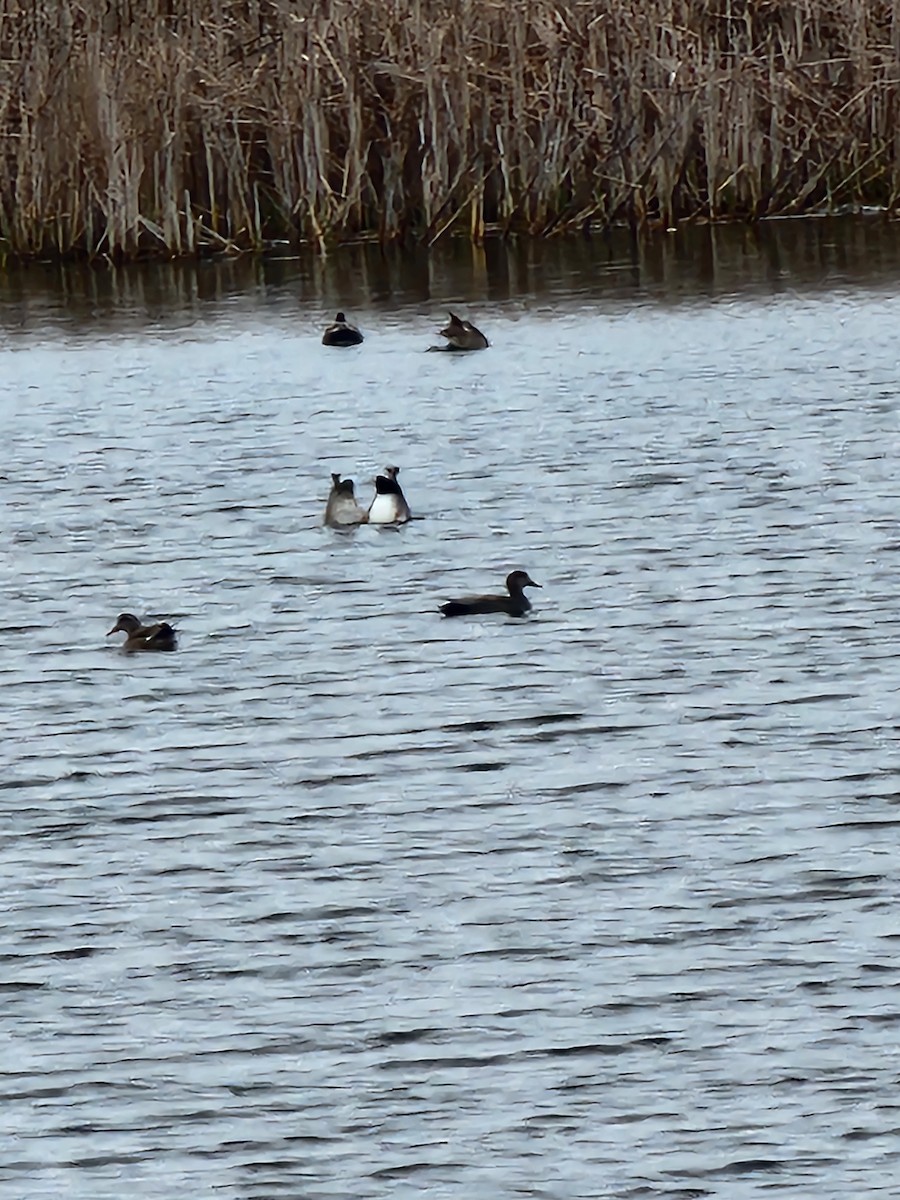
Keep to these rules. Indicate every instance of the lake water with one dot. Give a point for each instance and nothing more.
(347, 900)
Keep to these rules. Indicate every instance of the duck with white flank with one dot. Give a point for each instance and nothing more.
(342, 510)
(389, 506)
(516, 604)
(341, 333)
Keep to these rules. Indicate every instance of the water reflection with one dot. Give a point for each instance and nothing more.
(695, 261)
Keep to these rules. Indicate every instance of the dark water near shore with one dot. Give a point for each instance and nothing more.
(345, 900)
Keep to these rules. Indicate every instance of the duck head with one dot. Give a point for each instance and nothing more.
(125, 623)
(516, 581)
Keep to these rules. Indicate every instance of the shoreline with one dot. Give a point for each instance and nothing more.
(280, 250)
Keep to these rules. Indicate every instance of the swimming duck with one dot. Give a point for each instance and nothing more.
(341, 333)
(144, 637)
(389, 506)
(342, 509)
(462, 335)
(516, 604)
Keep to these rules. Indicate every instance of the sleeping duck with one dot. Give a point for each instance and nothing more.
(341, 333)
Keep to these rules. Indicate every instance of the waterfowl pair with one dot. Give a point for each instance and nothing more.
(460, 334)
(160, 636)
(341, 333)
(516, 604)
(388, 507)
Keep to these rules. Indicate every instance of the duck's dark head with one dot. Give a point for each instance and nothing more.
(517, 581)
(125, 623)
(340, 319)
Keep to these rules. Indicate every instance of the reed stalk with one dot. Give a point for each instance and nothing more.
(174, 127)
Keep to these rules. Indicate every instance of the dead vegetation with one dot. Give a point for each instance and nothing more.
(172, 127)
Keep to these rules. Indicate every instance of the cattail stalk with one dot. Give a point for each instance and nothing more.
(173, 127)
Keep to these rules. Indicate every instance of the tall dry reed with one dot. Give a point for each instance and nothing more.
(172, 127)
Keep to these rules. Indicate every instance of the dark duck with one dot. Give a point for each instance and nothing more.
(341, 333)
(516, 604)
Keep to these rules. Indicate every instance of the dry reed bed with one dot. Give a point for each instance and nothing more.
(168, 127)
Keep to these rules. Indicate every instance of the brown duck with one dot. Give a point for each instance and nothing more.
(462, 335)
(144, 637)
(342, 509)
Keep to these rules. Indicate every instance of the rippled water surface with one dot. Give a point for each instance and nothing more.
(347, 900)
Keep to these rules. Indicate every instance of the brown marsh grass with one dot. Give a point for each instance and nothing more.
(171, 127)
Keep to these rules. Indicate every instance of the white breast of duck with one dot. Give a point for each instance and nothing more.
(389, 506)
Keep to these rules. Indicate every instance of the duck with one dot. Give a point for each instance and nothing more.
(144, 637)
(341, 333)
(389, 506)
(342, 509)
(462, 335)
(516, 604)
